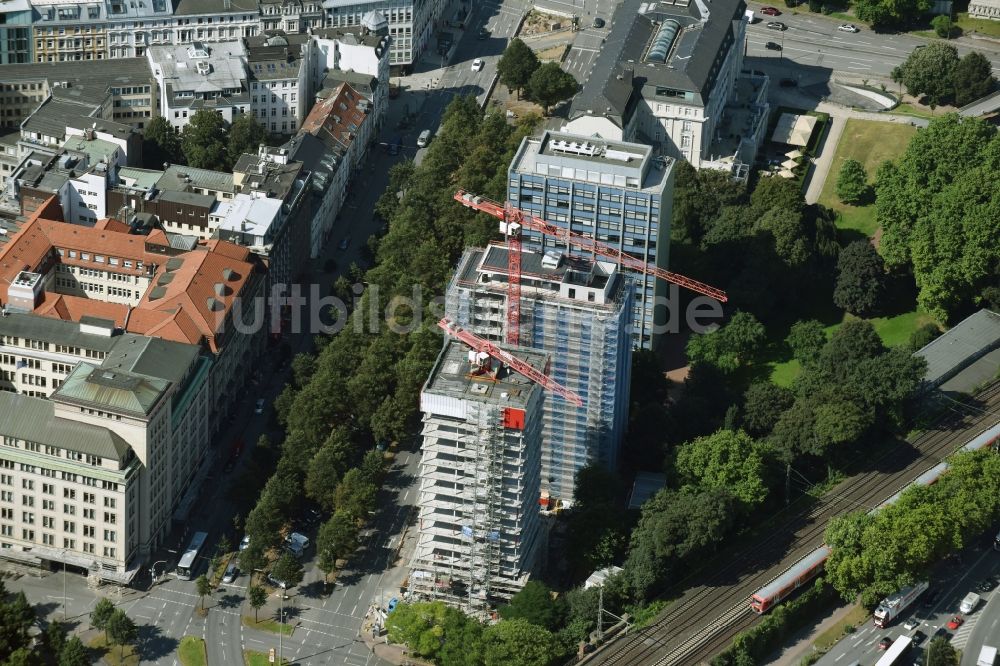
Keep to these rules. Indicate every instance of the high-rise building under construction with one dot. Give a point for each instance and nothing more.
(479, 536)
(578, 312)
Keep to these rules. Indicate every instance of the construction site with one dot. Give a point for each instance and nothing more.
(577, 311)
(479, 527)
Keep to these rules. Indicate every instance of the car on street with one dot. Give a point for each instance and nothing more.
(245, 543)
(598, 22)
(956, 622)
(483, 34)
(232, 573)
(930, 597)
(770, 11)
(911, 624)
(942, 633)
(987, 585)
(772, 46)
(884, 643)
(259, 406)
(344, 244)
(776, 25)
(478, 64)
(918, 637)
(392, 605)
(848, 27)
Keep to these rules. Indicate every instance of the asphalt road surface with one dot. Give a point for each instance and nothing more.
(813, 41)
(952, 582)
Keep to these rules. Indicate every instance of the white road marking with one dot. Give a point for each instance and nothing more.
(841, 656)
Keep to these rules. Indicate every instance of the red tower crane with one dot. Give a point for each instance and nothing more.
(514, 219)
(480, 345)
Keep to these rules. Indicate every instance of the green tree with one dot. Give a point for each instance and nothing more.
(257, 596)
(372, 466)
(355, 495)
(852, 183)
(204, 141)
(516, 65)
(16, 618)
(860, 279)
(730, 347)
(973, 78)
(517, 642)
(23, 657)
(252, 558)
(549, 85)
(923, 336)
(698, 198)
(337, 539)
(288, 570)
(245, 136)
(328, 467)
(161, 144)
(942, 25)
(420, 626)
(940, 652)
(55, 638)
(534, 603)
(806, 340)
(928, 71)
(204, 587)
(121, 630)
(303, 367)
(763, 404)
(74, 653)
(725, 460)
(101, 614)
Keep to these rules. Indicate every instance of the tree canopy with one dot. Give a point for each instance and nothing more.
(204, 141)
(928, 71)
(549, 85)
(161, 143)
(860, 279)
(973, 78)
(730, 347)
(852, 183)
(245, 136)
(728, 460)
(516, 65)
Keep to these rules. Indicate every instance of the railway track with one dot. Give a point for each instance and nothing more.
(714, 606)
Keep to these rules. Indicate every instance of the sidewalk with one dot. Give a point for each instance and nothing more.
(803, 645)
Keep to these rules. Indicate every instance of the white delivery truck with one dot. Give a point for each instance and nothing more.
(987, 656)
(893, 605)
(969, 603)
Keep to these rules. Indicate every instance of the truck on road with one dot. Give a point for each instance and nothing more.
(893, 605)
(987, 656)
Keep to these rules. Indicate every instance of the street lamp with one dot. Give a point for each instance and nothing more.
(152, 573)
(64, 583)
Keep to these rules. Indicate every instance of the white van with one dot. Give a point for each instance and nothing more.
(424, 138)
(969, 603)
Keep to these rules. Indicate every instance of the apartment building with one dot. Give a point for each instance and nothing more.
(194, 293)
(578, 312)
(479, 536)
(90, 475)
(15, 32)
(291, 16)
(70, 30)
(614, 191)
(200, 76)
(280, 87)
(355, 57)
(671, 75)
(410, 24)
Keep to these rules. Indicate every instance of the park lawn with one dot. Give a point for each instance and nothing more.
(254, 658)
(870, 142)
(982, 26)
(113, 654)
(785, 372)
(268, 624)
(191, 652)
(907, 109)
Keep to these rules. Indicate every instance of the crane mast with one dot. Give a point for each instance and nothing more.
(480, 345)
(510, 215)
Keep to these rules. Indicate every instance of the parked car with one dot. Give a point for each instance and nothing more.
(245, 543)
(987, 585)
(918, 637)
(478, 64)
(911, 624)
(277, 583)
(344, 244)
(259, 406)
(424, 138)
(770, 11)
(956, 622)
(884, 643)
(772, 46)
(296, 544)
(848, 27)
(598, 22)
(969, 603)
(483, 34)
(392, 605)
(776, 25)
(232, 573)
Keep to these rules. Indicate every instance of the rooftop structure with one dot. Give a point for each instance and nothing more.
(967, 341)
(576, 182)
(410, 22)
(577, 311)
(666, 72)
(479, 537)
(200, 76)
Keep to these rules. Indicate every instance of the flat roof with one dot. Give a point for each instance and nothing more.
(966, 341)
(180, 178)
(143, 179)
(55, 331)
(111, 389)
(451, 377)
